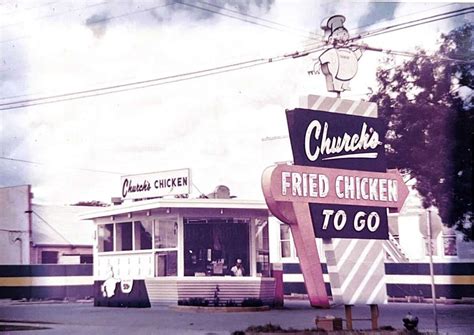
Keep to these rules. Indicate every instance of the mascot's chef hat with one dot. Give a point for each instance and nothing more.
(333, 22)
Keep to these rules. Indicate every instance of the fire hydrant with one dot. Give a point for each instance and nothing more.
(410, 322)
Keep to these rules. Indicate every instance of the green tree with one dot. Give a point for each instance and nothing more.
(427, 104)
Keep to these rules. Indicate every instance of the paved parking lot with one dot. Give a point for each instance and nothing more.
(84, 318)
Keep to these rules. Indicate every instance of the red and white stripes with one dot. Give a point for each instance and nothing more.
(355, 267)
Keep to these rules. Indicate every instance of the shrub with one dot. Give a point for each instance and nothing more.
(193, 302)
(230, 303)
(252, 302)
(268, 328)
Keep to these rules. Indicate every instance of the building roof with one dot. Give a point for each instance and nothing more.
(61, 225)
(145, 205)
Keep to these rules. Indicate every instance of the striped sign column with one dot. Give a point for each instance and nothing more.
(355, 267)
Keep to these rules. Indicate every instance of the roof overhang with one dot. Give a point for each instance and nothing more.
(145, 205)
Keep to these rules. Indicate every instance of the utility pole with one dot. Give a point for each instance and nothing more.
(433, 288)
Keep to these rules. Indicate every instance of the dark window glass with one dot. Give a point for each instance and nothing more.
(49, 257)
(124, 236)
(166, 233)
(213, 246)
(106, 237)
(143, 234)
(86, 259)
(166, 263)
(285, 240)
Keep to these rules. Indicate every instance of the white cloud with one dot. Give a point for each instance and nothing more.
(213, 125)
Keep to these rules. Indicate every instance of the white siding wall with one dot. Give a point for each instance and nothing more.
(124, 266)
(411, 239)
(14, 225)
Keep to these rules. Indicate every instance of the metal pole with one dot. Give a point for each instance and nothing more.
(433, 289)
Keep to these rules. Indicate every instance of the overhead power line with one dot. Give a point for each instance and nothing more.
(405, 15)
(52, 227)
(68, 168)
(152, 82)
(414, 23)
(240, 18)
(27, 9)
(200, 193)
(105, 19)
(411, 23)
(55, 14)
(110, 18)
(212, 71)
(289, 28)
(412, 54)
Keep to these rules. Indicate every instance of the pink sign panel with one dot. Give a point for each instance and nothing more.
(292, 183)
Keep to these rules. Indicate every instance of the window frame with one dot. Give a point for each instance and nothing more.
(293, 256)
(114, 224)
(102, 226)
(132, 236)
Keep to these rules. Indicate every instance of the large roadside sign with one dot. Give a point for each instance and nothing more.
(334, 140)
(343, 203)
(355, 144)
(338, 189)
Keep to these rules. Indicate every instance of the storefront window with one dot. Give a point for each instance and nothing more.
(124, 236)
(143, 234)
(213, 246)
(285, 241)
(166, 233)
(262, 244)
(166, 263)
(106, 237)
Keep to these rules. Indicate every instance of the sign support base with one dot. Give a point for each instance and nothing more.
(374, 316)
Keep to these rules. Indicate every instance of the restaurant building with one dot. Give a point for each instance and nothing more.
(162, 250)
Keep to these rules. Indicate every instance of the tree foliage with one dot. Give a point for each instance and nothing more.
(427, 103)
(91, 203)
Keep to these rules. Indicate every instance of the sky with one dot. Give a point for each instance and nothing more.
(218, 126)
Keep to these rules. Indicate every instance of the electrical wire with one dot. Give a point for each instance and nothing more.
(207, 72)
(414, 23)
(68, 168)
(200, 193)
(52, 227)
(402, 16)
(55, 14)
(151, 82)
(411, 24)
(27, 9)
(132, 83)
(411, 54)
(262, 19)
(110, 18)
(237, 18)
(44, 17)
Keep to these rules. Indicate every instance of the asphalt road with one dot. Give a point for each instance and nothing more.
(84, 318)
